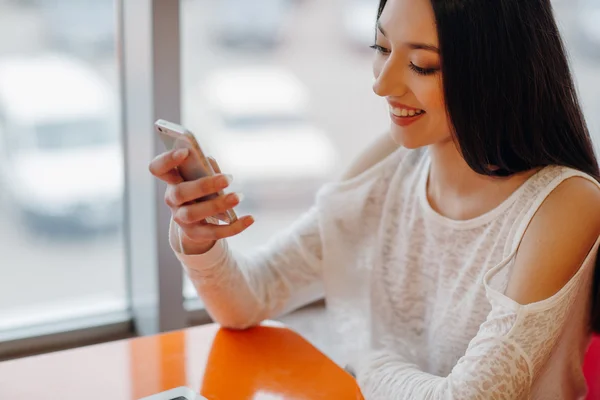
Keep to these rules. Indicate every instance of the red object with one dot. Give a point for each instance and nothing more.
(405, 121)
(268, 361)
(591, 369)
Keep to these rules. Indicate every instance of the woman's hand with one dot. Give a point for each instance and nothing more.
(189, 212)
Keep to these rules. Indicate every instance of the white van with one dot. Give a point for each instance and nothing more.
(60, 153)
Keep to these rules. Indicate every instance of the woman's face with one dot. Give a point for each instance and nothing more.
(407, 73)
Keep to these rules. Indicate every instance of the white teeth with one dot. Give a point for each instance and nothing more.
(403, 112)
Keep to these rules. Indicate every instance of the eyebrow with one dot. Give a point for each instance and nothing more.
(412, 45)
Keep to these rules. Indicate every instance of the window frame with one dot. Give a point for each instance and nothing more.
(149, 76)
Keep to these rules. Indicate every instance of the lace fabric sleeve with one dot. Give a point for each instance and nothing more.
(242, 290)
(501, 361)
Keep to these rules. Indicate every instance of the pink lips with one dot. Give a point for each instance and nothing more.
(404, 121)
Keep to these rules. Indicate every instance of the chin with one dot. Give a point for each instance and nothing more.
(401, 137)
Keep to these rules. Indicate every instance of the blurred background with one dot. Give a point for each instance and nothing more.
(279, 91)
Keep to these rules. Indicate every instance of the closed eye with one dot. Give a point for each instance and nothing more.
(422, 71)
(380, 49)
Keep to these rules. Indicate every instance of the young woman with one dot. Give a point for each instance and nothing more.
(461, 265)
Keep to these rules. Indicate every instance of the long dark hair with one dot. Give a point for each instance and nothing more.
(509, 92)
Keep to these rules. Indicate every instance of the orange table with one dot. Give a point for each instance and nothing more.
(267, 362)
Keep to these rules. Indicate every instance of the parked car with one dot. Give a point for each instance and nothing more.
(60, 155)
(258, 130)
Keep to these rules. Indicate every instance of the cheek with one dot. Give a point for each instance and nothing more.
(431, 95)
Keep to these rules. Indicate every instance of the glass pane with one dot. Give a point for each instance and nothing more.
(579, 22)
(279, 91)
(61, 163)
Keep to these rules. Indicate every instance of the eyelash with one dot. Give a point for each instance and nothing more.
(380, 49)
(422, 71)
(418, 70)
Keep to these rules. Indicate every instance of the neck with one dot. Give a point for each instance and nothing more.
(456, 191)
(450, 175)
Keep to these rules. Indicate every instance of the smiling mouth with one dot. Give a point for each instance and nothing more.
(406, 113)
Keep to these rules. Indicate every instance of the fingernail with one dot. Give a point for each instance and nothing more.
(226, 180)
(248, 221)
(181, 154)
(234, 198)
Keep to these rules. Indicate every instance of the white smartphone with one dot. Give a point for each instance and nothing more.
(180, 393)
(197, 165)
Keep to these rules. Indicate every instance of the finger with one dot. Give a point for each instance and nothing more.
(165, 162)
(214, 164)
(196, 212)
(222, 217)
(172, 177)
(185, 192)
(204, 232)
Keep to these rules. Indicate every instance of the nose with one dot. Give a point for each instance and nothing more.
(389, 79)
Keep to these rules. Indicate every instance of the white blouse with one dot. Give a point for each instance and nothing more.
(415, 299)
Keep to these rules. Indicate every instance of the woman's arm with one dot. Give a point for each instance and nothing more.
(242, 290)
(515, 341)
(239, 290)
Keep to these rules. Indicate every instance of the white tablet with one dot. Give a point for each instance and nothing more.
(180, 393)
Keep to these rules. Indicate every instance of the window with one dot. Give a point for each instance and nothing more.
(67, 135)
(279, 91)
(281, 100)
(61, 163)
(580, 28)
(282, 77)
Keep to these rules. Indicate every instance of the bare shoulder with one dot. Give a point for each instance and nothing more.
(557, 241)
